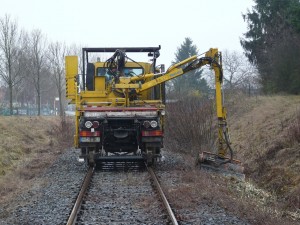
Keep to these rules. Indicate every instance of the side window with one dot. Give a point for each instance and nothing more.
(128, 72)
(138, 71)
(104, 72)
(101, 72)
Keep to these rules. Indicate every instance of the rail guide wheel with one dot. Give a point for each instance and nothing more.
(150, 159)
(91, 158)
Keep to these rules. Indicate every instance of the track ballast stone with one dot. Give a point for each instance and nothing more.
(122, 198)
(52, 195)
(118, 198)
(171, 172)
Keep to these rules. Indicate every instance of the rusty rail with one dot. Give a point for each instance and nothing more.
(163, 197)
(85, 184)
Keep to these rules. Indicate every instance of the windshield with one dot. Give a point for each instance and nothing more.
(133, 71)
(128, 72)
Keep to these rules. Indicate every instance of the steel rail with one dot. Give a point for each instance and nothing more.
(163, 197)
(85, 184)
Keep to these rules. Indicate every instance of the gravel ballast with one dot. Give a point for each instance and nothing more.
(187, 205)
(52, 194)
(122, 198)
(118, 197)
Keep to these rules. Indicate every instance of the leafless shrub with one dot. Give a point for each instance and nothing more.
(189, 125)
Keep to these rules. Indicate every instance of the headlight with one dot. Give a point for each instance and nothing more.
(153, 124)
(88, 124)
(163, 112)
(146, 124)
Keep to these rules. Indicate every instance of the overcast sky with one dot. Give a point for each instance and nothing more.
(135, 23)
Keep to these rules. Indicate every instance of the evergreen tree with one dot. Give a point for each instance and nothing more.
(191, 82)
(272, 43)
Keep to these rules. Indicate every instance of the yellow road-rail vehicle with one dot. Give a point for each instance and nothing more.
(120, 104)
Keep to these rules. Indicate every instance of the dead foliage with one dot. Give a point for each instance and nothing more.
(189, 125)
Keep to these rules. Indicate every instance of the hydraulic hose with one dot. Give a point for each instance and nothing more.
(229, 147)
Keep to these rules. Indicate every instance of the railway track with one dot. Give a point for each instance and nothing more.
(121, 198)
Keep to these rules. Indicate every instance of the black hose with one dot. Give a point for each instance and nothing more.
(116, 63)
(230, 149)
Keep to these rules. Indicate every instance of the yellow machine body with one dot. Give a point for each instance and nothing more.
(126, 93)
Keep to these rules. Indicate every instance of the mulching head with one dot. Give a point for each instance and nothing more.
(225, 166)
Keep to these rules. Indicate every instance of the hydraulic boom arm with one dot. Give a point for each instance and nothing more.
(120, 108)
(212, 58)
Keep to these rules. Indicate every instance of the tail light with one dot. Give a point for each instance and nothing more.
(150, 133)
(89, 134)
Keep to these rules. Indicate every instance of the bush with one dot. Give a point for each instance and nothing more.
(190, 125)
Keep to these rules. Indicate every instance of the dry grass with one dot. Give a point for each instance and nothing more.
(27, 146)
(196, 188)
(267, 139)
(265, 136)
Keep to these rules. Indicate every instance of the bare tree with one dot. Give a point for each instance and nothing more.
(37, 62)
(56, 57)
(237, 69)
(24, 92)
(10, 55)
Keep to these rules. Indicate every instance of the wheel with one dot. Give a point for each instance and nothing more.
(150, 157)
(91, 159)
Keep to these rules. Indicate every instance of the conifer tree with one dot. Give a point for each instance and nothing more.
(192, 82)
(272, 43)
